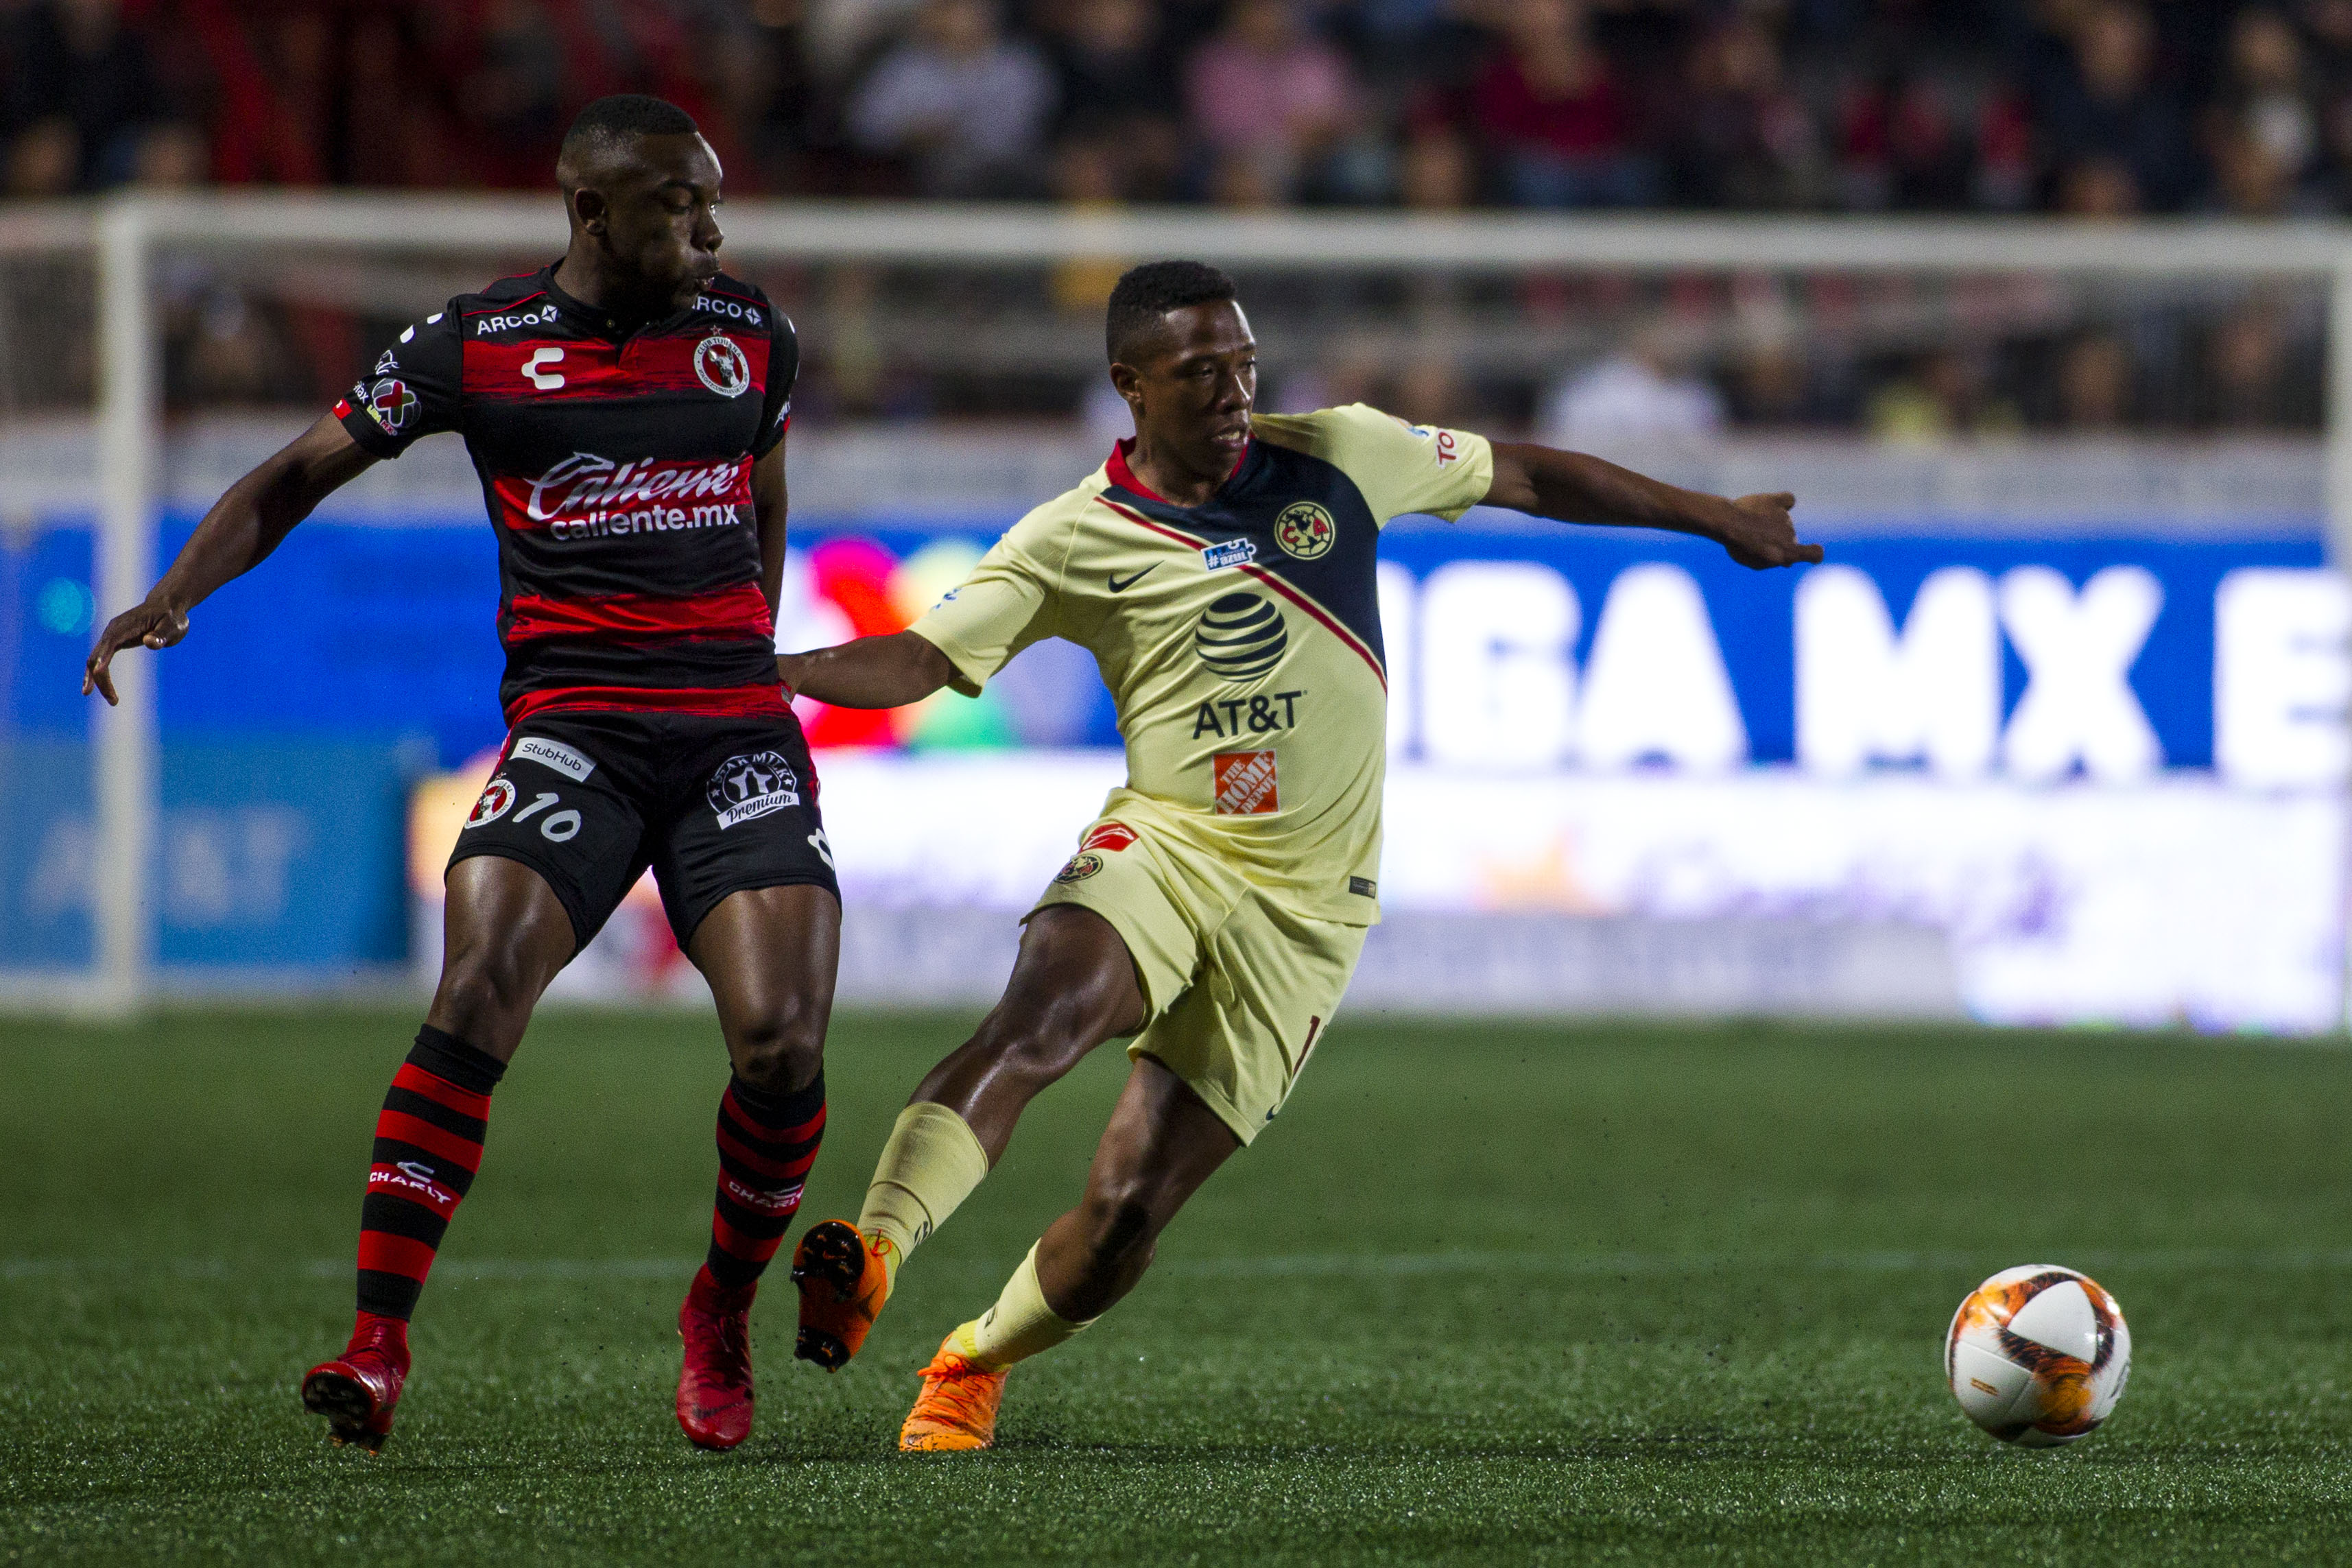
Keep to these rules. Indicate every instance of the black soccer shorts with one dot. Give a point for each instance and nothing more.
(715, 806)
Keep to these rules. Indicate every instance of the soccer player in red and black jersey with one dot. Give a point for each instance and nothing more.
(626, 410)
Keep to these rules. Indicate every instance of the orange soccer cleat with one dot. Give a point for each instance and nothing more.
(957, 1409)
(843, 1283)
(356, 1390)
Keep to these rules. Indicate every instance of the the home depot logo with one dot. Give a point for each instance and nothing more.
(1245, 784)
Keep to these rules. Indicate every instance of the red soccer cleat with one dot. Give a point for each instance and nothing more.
(714, 1386)
(357, 1390)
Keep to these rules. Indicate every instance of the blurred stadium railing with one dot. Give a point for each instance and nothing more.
(2058, 734)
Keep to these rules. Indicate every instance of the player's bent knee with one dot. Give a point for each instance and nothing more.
(782, 1052)
(1118, 1229)
(489, 980)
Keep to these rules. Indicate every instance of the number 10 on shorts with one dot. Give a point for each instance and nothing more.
(556, 827)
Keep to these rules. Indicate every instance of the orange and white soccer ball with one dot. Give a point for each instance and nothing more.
(2037, 1355)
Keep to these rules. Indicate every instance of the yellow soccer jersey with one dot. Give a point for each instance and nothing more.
(1240, 638)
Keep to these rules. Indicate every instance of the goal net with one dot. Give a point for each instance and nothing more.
(2056, 733)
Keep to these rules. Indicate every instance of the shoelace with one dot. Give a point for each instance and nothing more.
(958, 1386)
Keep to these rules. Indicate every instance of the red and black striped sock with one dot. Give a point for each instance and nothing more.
(428, 1143)
(767, 1142)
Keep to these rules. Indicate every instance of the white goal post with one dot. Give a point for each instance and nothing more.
(122, 236)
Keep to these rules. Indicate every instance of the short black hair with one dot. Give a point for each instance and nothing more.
(1146, 293)
(609, 122)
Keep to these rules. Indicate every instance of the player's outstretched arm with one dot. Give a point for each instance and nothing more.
(1574, 488)
(871, 672)
(237, 536)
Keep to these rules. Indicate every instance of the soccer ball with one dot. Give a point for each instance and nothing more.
(2037, 1355)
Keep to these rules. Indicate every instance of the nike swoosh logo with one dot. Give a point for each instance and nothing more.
(1118, 587)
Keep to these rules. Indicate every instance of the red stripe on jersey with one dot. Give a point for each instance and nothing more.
(1124, 477)
(540, 368)
(458, 1151)
(510, 304)
(705, 702)
(1270, 579)
(739, 611)
(1316, 610)
(588, 497)
(434, 1087)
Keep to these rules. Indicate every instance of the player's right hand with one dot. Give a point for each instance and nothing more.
(150, 624)
(1760, 534)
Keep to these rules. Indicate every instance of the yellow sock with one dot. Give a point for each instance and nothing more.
(1019, 1326)
(931, 1165)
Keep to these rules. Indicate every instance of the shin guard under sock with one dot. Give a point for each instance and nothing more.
(428, 1144)
(931, 1165)
(767, 1142)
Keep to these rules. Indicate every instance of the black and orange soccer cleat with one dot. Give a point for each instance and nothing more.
(843, 1284)
(356, 1392)
(956, 1411)
(714, 1386)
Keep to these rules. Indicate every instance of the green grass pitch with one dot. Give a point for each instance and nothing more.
(1511, 1294)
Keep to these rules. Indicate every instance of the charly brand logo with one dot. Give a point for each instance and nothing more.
(722, 365)
(1078, 868)
(1305, 530)
(411, 1176)
(1241, 636)
(587, 496)
(496, 802)
(750, 785)
(391, 404)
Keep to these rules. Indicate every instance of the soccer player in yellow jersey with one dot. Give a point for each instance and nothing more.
(1220, 566)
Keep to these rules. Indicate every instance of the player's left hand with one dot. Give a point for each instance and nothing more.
(1759, 533)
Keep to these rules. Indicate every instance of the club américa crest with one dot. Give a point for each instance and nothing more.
(719, 362)
(1304, 531)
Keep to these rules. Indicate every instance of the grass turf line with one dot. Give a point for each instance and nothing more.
(1481, 1293)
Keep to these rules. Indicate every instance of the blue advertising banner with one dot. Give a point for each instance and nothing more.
(1911, 679)
(287, 856)
(1517, 646)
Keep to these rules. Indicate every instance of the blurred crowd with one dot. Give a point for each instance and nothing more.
(2093, 107)
(2088, 106)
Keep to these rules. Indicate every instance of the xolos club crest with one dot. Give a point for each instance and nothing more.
(722, 365)
(1305, 530)
(496, 802)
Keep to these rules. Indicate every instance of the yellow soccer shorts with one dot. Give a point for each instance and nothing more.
(1238, 987)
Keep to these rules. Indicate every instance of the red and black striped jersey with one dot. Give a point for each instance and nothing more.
(616, 465)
